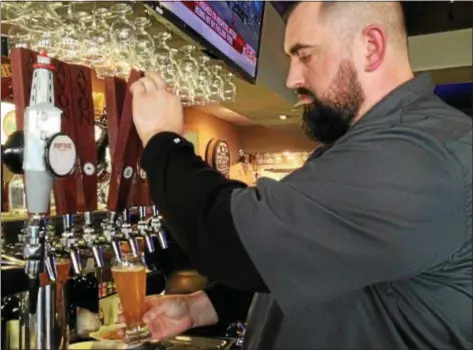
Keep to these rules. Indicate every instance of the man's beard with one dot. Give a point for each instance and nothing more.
(326, 120)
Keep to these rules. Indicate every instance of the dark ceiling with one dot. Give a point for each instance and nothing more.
(425, 17)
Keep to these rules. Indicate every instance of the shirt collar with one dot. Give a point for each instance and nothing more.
(397, 99)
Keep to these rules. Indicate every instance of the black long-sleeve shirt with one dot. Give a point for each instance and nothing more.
(214, 247)
(368, 245)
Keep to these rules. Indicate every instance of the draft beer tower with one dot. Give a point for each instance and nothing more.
(47, 153)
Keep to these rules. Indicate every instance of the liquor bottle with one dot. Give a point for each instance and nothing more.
(16, 196)
(4, 46)
(4, 194)
(10, 324)
(86, 299)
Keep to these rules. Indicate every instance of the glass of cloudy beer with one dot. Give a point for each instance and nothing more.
(130, 279)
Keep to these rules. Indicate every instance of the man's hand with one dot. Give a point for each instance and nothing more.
(155, 109)
(171, 315)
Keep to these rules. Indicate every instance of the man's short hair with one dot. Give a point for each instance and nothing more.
(389, 13)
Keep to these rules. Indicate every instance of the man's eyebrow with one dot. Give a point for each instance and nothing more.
(297, 47)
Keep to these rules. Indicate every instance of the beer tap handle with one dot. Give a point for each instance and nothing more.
(155, 211)
(156, 226)
(125, 155)
(92, 241)
(116, 249)
(74, 253)
(142, 211)
(149, 243)
(50, 267)
(126, 216)
(87, 219)
(34, 253)
(162, 239)
(98, 256)
(133, 246)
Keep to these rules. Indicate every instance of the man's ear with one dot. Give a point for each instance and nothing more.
(376, 44)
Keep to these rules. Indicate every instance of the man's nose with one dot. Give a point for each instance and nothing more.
(294, 77)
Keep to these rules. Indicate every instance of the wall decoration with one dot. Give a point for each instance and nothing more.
(217, 155)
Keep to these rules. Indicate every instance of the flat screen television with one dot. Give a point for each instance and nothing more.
(229, 30)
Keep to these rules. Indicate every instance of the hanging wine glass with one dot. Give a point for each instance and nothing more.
(42, 17)
(164, 61)
(13, 12)
(188, 68)
(202, 89)
(229, 88)
(18, 37)
(144, 47)
(106, 67)
(95, 41)
(70, 42)
(46, 41)
(123, 37)
(216, 84)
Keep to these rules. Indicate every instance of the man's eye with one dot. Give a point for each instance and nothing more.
(305, 58)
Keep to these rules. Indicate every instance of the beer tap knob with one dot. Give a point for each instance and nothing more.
(143, 231)
(156, 226)
(70, 245)
(111, 235)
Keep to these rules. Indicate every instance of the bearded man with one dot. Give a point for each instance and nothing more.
(369, 244)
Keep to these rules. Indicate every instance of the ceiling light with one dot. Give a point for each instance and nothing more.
(283, 117)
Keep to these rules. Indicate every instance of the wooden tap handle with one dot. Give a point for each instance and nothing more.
(125, 156)
(141, 195)
(65, 188)
(84, 124)
(114, 96)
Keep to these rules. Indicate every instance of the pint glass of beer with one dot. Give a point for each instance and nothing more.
(130, 280)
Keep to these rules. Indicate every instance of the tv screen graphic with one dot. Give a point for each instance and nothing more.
(232, 28)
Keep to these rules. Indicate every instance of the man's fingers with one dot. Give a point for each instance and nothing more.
(137, 88)
(148, 83)
(157, 79)
(155, 311)
(121, 332)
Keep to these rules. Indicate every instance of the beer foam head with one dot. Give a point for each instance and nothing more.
(128, 268)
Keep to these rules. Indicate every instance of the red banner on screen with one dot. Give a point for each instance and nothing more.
(206, 13)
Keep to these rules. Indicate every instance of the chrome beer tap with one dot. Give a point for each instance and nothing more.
(38, 258)
(157, 229)
(111, 235)
(129, 234)
(69, 244)
(91, 240)
(144, 231)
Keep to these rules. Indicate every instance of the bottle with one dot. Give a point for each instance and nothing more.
(86, 298)
(16, 196)
(10, 311)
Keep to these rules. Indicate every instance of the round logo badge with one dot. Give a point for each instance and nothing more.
(143, 174)
(89, 169)
(128, 172)
(61, 155)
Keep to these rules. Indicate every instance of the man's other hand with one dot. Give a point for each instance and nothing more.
(171, 315)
